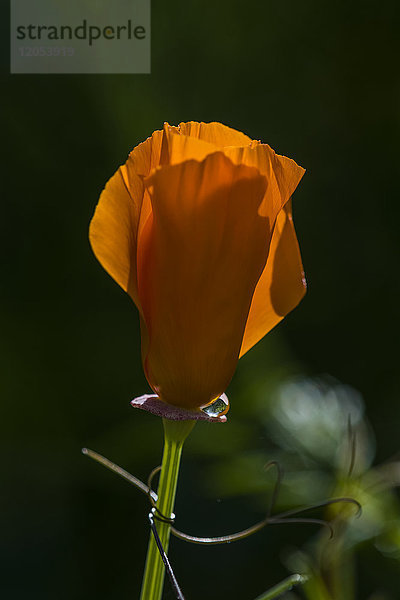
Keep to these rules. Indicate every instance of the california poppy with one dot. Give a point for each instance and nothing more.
(197, 228)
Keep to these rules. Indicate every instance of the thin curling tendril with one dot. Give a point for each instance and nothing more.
(287, 517)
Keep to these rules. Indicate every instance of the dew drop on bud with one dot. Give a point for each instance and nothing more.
(218, 407)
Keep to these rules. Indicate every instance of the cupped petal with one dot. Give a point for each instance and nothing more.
(283, 174)
(282, 284)
(113, 230)
(201, 254)
(214, 133)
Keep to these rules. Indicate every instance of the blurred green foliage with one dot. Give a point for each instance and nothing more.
(319, 83)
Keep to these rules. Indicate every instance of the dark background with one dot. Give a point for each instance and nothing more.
(318, 82)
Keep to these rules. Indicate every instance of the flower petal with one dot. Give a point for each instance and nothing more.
(282, 283)
(283, 174)
(114, 228)
(202, 252)
(177, 147)
(214, 133)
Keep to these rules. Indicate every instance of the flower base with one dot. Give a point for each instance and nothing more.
(153, 404)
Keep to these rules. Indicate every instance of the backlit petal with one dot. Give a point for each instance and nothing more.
(214, 133)
(283, 174)
(202, 252)
(177, 147)
(114, 228)
(282, 284)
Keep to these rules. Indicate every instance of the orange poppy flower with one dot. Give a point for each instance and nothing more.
(197, 228)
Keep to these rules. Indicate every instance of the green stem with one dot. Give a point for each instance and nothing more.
(283, 587)
(175, 433)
